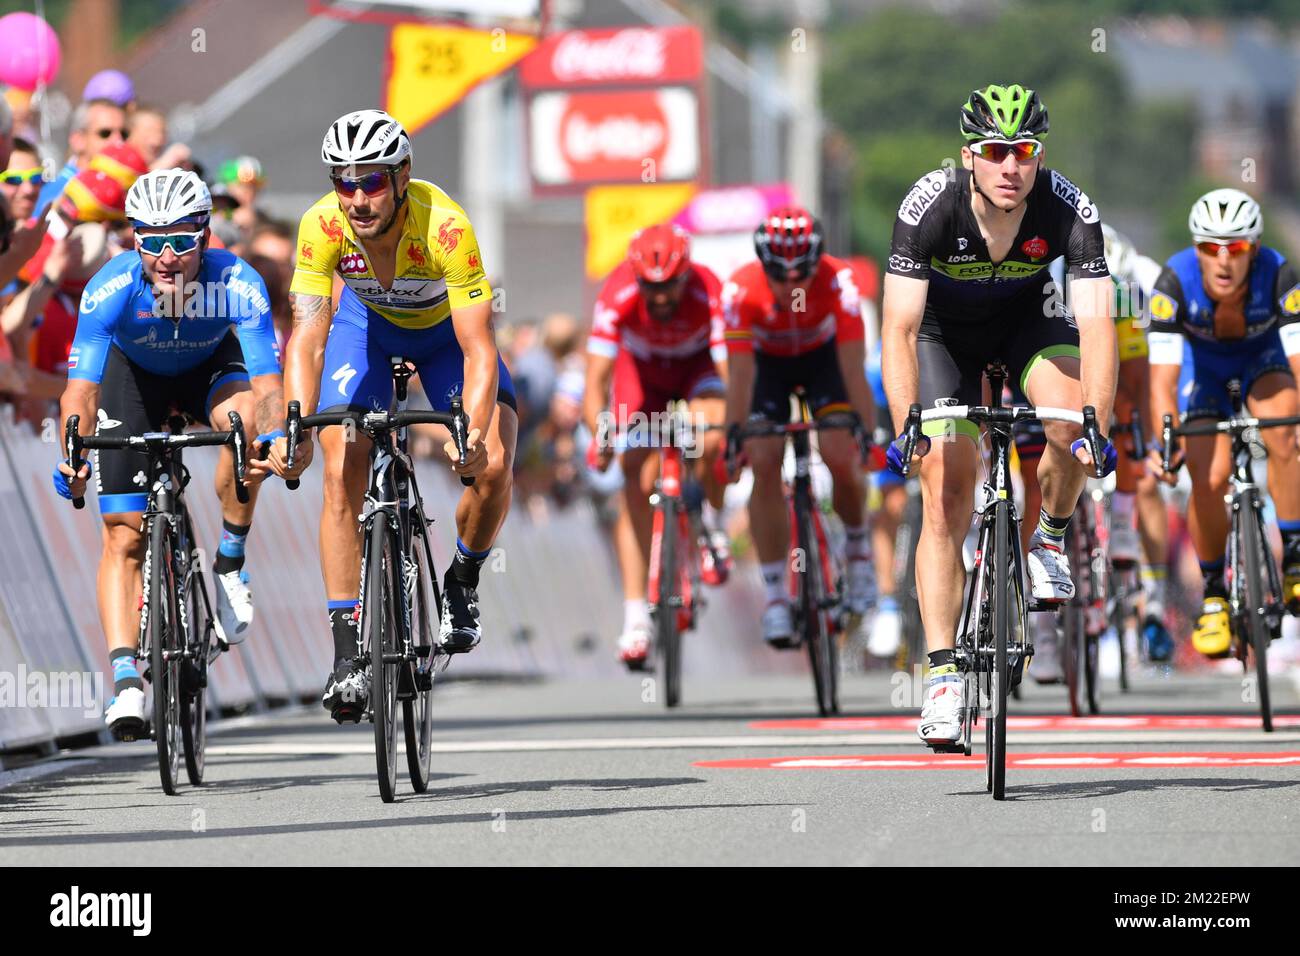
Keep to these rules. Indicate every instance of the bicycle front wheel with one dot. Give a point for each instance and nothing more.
(194, 702)
(817, 635)
(668, 637)
(164, 654)
(381, 628)
(1002, 593)
(1252, 550)
(417, 714)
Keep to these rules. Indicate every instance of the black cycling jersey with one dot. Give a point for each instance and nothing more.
(936, 237)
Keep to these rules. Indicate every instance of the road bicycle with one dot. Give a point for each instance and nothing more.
(1254, 585)
(817, 583)
(178, 636)
(398, 616)
(992, 646)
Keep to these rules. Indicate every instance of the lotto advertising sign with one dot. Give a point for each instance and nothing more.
(591, 137)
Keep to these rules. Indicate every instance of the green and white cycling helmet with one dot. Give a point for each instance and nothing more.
(1004, 112)
(1222, 215)
(1120, 253)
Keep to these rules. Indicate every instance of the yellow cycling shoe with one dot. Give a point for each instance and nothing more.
(1291, 589)
(1212, 636)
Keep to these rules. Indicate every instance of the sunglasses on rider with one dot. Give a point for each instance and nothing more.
(779, 272)
(656, 288)
(996, 150)
(180, 242)
(372, 184)
(109, 131)
(1235, 248)
(17, 177)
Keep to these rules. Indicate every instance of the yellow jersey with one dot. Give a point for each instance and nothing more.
(438, 262)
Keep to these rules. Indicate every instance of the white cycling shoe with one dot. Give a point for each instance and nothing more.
(860, 590)
(634, 646)
(125, 714)
(234, 606)
(778, 625)
(1124, 545)
(886, 632)
(941, 716)
(1049, 572)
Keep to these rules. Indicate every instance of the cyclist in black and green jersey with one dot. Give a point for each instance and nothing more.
(967, 283)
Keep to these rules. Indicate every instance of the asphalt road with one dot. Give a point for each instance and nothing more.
(596, 772)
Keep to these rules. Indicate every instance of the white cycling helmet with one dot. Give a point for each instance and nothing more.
(165, 196)
(1119, 252)
(365, 136)
(1225, 214)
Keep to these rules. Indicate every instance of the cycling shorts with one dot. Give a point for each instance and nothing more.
(356, 374)
(952, 358)
(818, 372)
(1210, 371)
(133, 401)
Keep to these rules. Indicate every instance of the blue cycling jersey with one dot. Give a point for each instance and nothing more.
(118, 308)
(1180, 304)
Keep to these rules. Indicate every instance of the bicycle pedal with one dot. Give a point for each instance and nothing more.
(424, 681)
(1046, 606)
(347, 715)
(956, 747)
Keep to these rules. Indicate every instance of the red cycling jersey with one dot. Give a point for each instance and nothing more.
(831, 309)
(622, 322)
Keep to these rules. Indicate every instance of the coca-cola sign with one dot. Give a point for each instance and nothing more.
(628, 136)
(627, 56)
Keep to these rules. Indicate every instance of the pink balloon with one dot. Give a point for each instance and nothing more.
(29, 51)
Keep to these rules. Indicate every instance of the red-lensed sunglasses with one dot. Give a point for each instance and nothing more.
(996, 150)
(1235, 248)
(372, 184)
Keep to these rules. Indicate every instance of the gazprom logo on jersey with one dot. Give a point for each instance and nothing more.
(90, 299)
(251, 292)
(227, 298)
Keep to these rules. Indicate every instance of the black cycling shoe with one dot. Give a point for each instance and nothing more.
(347, 692)
(459, 630)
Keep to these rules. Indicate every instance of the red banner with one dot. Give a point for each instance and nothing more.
(623, 56)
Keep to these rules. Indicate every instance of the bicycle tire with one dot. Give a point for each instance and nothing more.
(1001, 638)
(1119, 620)
(816, 635)
(164, 665)
(382, 632)
(417, 714)
(668, 637)
(194, 700)
(909, 603)
(1252, 547)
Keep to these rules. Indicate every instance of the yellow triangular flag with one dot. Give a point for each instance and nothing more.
(431, 68)
(616, 213)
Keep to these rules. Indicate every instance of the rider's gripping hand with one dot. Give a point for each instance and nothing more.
(476, 459)
(1110, 458)
(894, 455)
(76, 487)
(599, 455)
(270, 455)
(733, 455)
(1156, 463)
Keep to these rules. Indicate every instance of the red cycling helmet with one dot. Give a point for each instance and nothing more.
(789, 238)
(660, 253)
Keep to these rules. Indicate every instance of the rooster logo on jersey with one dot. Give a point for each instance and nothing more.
(332, 230)
(449, 238)
(415, 254)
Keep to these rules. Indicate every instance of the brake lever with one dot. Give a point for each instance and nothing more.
(459, 435)
(1167, 437)
(1092, 435)
(72, 447)
(292, 433)
(240, 443)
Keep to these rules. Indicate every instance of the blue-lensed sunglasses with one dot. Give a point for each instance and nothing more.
(180, 242)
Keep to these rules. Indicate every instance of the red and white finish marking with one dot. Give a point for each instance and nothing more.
(1049, 722)
(1059, 761)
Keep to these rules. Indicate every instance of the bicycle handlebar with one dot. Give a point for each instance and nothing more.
(1226, 426)
(456, 421)
(75, 443)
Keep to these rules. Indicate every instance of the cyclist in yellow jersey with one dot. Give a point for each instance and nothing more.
(414, 286)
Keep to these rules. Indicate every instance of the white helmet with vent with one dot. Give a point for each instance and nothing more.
(365, 136)
(1222, 215)
(165, 196)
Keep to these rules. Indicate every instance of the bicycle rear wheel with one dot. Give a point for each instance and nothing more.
(1002, 594)
(1252, 549)
(668, 637)
(382, 628)
(822, 652)
(417, 714)
(164, 656)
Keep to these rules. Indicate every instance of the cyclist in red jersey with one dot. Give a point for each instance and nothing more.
(794, 318)
(657, 336)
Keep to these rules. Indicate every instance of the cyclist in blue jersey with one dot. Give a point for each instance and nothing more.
(176, 327)
(1231, 308)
